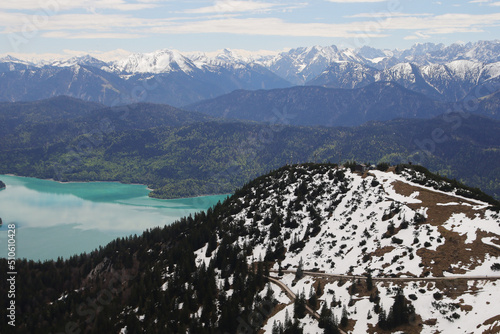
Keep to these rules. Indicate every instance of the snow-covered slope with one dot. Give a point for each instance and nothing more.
(160, 61)
(399, 227)
(345, 75)
(336, 219)
(451, 81)
(303, 64)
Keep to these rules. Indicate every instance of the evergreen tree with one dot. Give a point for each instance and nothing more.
(369, 281)
(299, 306)
(344, 320)
(401, 311)
(280, 269)
(325, 316)
(382, 319)
(300, 271)
(313, 299)
(277, 328)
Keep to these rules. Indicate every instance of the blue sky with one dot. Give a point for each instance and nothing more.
(113, 27)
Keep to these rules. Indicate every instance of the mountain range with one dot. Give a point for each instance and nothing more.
(446, 73)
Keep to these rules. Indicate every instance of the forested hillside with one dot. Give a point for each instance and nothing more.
(179, 153)
(320, 106)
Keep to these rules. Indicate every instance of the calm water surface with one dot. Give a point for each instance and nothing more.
(62, 219)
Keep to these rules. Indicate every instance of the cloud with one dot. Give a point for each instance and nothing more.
(129, 25)
(386, 15)
(54, 7)
(417, 35)
(424, 24)
(93, 35)
(232, 6)
(355, 1)
(29, 24)
(266, 27)
(486, 2)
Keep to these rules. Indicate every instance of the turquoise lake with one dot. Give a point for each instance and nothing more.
(62, 219)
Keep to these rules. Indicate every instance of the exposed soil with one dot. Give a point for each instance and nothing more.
(493, 325)
(454, 250)
(276, 309)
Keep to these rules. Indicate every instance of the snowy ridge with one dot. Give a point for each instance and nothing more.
(346, 219)
(441, 72)
(303, 64)
(161, 61)
(450, 81)
(335, 221)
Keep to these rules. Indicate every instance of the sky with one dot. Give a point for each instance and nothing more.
(111, 29)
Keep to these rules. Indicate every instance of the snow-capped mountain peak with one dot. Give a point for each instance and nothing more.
(160, 61)
(86, 60)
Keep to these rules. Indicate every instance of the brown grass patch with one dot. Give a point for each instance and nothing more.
(415, 327)
(350, 326)
(494, 324)
(276, 309)
(382, 251)
(466, 308)
(454, 249)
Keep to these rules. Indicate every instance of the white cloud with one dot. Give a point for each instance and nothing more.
(14, 22)
(386, 15)
(266, 27)
(233, 6)
(90, 35)
(129, 25)
(417, 35)
(486, 2)
(378, 27)
(355, 1)
(54, 7)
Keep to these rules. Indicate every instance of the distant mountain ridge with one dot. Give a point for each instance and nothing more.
(451, 81)
(167, 76)
(314, 105)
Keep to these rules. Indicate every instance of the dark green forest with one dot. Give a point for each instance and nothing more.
(179, 153)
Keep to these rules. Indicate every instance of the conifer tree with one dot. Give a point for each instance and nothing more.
(299, 306)
(300, 271)
(344, 320)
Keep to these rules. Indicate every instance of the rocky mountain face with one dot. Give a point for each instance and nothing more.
(448, 73)
(312, 248)
(452, 81)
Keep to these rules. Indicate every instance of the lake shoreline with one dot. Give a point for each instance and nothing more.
(68, 218)
(119, 182)
(69, 182)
